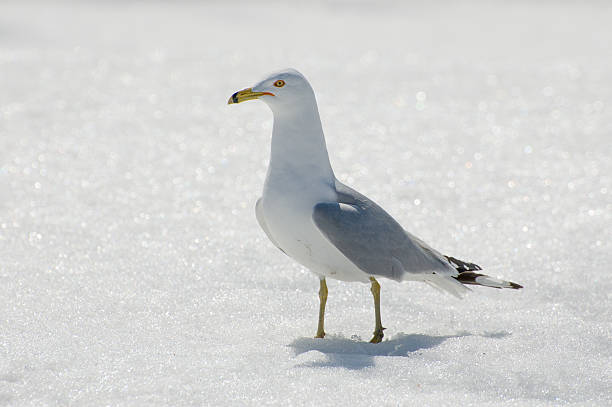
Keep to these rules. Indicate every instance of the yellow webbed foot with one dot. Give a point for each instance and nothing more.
(378, 336)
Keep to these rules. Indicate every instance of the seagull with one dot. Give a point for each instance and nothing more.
(328, 227)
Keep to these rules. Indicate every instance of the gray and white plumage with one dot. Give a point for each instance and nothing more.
(373, 240)
(325, 225)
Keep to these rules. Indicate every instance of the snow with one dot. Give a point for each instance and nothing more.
(132, 269)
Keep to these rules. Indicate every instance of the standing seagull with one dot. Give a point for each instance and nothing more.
(328, 227)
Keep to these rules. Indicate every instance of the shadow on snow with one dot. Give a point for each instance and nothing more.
(356, 354)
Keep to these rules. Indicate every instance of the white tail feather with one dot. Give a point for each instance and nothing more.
(493, 282)
(446, 284)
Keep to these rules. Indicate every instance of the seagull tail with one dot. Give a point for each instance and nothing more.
(468, 276)
(447, 284)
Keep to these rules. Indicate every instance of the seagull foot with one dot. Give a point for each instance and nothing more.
(378, 336)
(320, 335)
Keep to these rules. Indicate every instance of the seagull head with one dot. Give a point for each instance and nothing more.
(281, 90)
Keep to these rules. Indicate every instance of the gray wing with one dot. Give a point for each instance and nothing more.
(262, 223)
(371, 239)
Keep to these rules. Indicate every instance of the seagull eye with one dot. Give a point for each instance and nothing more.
(279, 83)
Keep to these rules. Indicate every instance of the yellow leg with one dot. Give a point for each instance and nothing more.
(323, 301)
(378, 330)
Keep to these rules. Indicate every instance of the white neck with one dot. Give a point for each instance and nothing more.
(298, 145)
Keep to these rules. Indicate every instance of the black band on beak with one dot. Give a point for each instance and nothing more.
(235, 97)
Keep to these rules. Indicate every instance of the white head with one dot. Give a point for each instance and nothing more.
(297, 135)
(286, 91)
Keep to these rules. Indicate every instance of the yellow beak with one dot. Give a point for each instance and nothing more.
(246, 94)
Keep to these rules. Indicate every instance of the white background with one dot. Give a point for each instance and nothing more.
(133, 272)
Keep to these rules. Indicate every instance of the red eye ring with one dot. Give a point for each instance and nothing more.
(279, 83)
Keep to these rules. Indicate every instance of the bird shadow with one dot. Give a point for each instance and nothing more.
(355, 354)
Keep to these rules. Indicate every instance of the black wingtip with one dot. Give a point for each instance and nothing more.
(462, 266)
(468, 276)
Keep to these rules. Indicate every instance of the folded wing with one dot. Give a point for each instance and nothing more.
(371, 239)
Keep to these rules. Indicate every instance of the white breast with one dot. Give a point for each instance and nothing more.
(287, 208)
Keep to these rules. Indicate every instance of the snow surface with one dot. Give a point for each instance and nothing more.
(132, 269)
